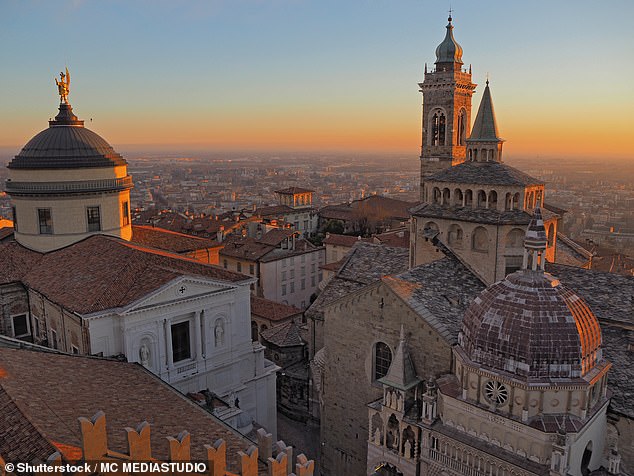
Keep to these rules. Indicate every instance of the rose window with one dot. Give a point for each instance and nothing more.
(496, 392)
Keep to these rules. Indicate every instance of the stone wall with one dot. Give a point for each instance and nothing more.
(353, 326)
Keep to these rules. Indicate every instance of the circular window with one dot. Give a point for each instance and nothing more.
(496, 392)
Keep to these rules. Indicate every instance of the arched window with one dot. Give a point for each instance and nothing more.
(382, 359)
(436, 196)
(468, 198)
(457, 197)
(455, 235)
(462, 117)
(430, 228)
(508, 201)
(480, 240)
(493, 200)
(446, 194)
(438, 126)
(482, 199)
(551, 235)
(516, 201)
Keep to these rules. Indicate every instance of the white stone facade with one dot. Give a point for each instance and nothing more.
(215, 351)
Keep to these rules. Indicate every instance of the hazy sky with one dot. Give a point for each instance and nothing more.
(317, 74)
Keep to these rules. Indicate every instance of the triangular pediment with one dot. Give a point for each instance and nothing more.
(179, 289)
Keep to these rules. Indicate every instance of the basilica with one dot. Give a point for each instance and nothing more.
(480, 353)
(80, 278)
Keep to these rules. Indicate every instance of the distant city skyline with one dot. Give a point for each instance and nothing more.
(283, 75)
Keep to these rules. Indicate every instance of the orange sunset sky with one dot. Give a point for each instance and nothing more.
(307, 75)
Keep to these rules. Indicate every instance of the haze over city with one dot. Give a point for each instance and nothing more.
(317, 238)
(305, 75)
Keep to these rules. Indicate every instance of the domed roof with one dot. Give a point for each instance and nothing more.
(449, 51)
(530, 325)
(66, 144)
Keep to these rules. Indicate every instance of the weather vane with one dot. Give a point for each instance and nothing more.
(63, 87)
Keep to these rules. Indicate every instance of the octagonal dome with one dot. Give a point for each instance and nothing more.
(531, 326)
(66, 144)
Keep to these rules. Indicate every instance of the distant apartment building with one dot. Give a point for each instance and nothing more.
(295, 208)
(287, 266)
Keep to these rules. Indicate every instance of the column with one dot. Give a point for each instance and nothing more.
(168, 343)
(197, 337)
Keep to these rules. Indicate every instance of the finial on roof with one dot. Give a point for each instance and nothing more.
(450, 11)
(487, 81)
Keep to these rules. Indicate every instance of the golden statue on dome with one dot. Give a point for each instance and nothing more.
(63, 87)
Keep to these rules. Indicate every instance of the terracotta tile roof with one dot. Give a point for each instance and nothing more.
(275, 236)
(16, 261)
(271, 310)
(169, 240)
(294, 190)
(337, 212)
(102, 272)
(343, 240)
(284, 335)
(380, 206)
(398, 239)
(274, 210)
(245, 248)
(38, 411)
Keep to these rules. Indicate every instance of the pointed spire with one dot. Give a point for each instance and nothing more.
(485, 127)
(401, 373)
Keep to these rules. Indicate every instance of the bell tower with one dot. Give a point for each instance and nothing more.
(447, 92)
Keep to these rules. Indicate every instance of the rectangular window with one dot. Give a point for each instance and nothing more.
(20, 325)
(312, 281)
(292, 260)
(125, 213)
(303, 270)
(303, 258)
(283, 275)
(292, 287)
(225, 264)
(180, 341)
(292, 273)
(15, 219)
(312, 268)
(53, 339)
(94, 218)
(251, 269)
(46, 221)
(284, 263)
(239, 267)
(306, 225)
(283, 289)
(303, 286)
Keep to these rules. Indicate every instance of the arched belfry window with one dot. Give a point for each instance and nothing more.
(438, 126)
(382, 359)
(462, 117)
